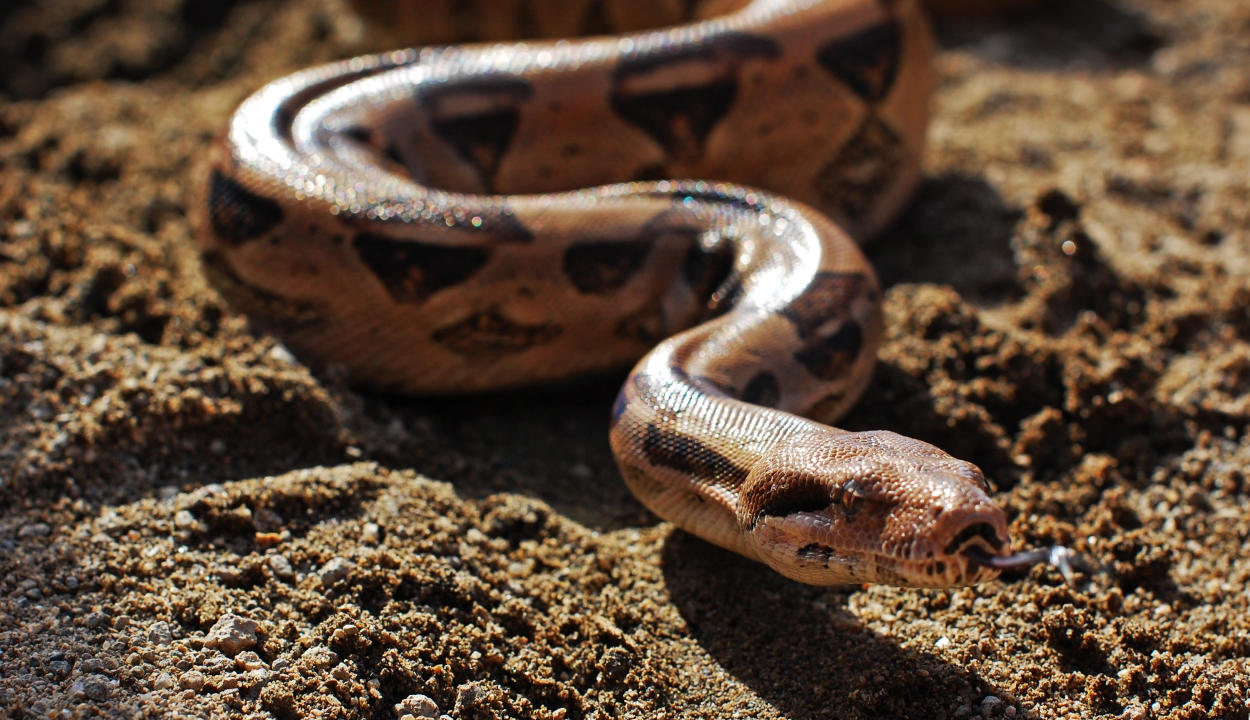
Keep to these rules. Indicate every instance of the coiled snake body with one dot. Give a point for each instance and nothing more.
(412, 217)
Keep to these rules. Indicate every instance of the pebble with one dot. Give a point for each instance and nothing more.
(347, 631)
(192, 680)
(320, 657)
(267, 521)
(337, 569)
(184, 520)
(97, 687)
(417, 706)
(988, 704)
(163, 681)
(34, 530)
(281, 567)
(159, 633)
(370, 534)
(232, 634)
(281, 354)
(249, 660)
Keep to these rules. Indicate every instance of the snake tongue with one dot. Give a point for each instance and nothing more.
(1067, 561)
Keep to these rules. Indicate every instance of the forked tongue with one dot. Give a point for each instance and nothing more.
(1066, 560)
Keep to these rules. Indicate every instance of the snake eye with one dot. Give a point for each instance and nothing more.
(853, 497)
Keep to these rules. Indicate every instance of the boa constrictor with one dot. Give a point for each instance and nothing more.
(414, 218)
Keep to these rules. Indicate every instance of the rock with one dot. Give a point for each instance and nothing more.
(96, 620)
(280, 566)
(337, 569)
(267, 521)
(34, 530)
(282, 355)
(184, 520)
(418, 706)
(192, 680)
(319, 657)
(232, 634)
(97, 687)
(249, 661)
(159, 633)
(163, 681)
(371, 534)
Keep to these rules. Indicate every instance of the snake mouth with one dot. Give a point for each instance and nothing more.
(978, 535)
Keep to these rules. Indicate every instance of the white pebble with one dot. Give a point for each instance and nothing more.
(418, 706)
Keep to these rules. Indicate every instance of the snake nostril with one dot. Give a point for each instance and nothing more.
(982, 530)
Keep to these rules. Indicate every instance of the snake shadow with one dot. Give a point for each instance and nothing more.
(957, 232)
(548, 442)
(798, 647)
(1092, 35)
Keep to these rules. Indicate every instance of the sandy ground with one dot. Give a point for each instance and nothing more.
(193, 524)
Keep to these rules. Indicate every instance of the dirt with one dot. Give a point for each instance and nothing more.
(193, 524)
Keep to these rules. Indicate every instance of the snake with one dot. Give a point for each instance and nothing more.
(488, 214)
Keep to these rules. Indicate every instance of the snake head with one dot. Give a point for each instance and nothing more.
(834, 507)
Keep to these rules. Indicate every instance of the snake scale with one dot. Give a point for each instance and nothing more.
(414, 218)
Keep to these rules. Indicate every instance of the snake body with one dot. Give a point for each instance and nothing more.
(413, 218)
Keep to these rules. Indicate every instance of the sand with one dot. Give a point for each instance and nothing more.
(193, 524)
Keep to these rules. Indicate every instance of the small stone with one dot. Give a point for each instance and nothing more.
(232, 634)
(281, 664)
(267, 521)
(963, 710)
(249, 660)
(229, 575)
(192, 680)
(370, 534)
(337, 569)
(259, 676)
(34, 530)
(418, 706)
(164, 681)
(184, 520)
(121, 622)
(319, 657)
(97, 687)
(60, 667)
(281, 567)
(988, 704)
(281, 354)
(159, 633)
(96, 620)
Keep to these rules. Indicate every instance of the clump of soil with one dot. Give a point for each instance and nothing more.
(191, 520)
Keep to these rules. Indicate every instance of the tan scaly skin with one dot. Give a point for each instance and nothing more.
(413, 218)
